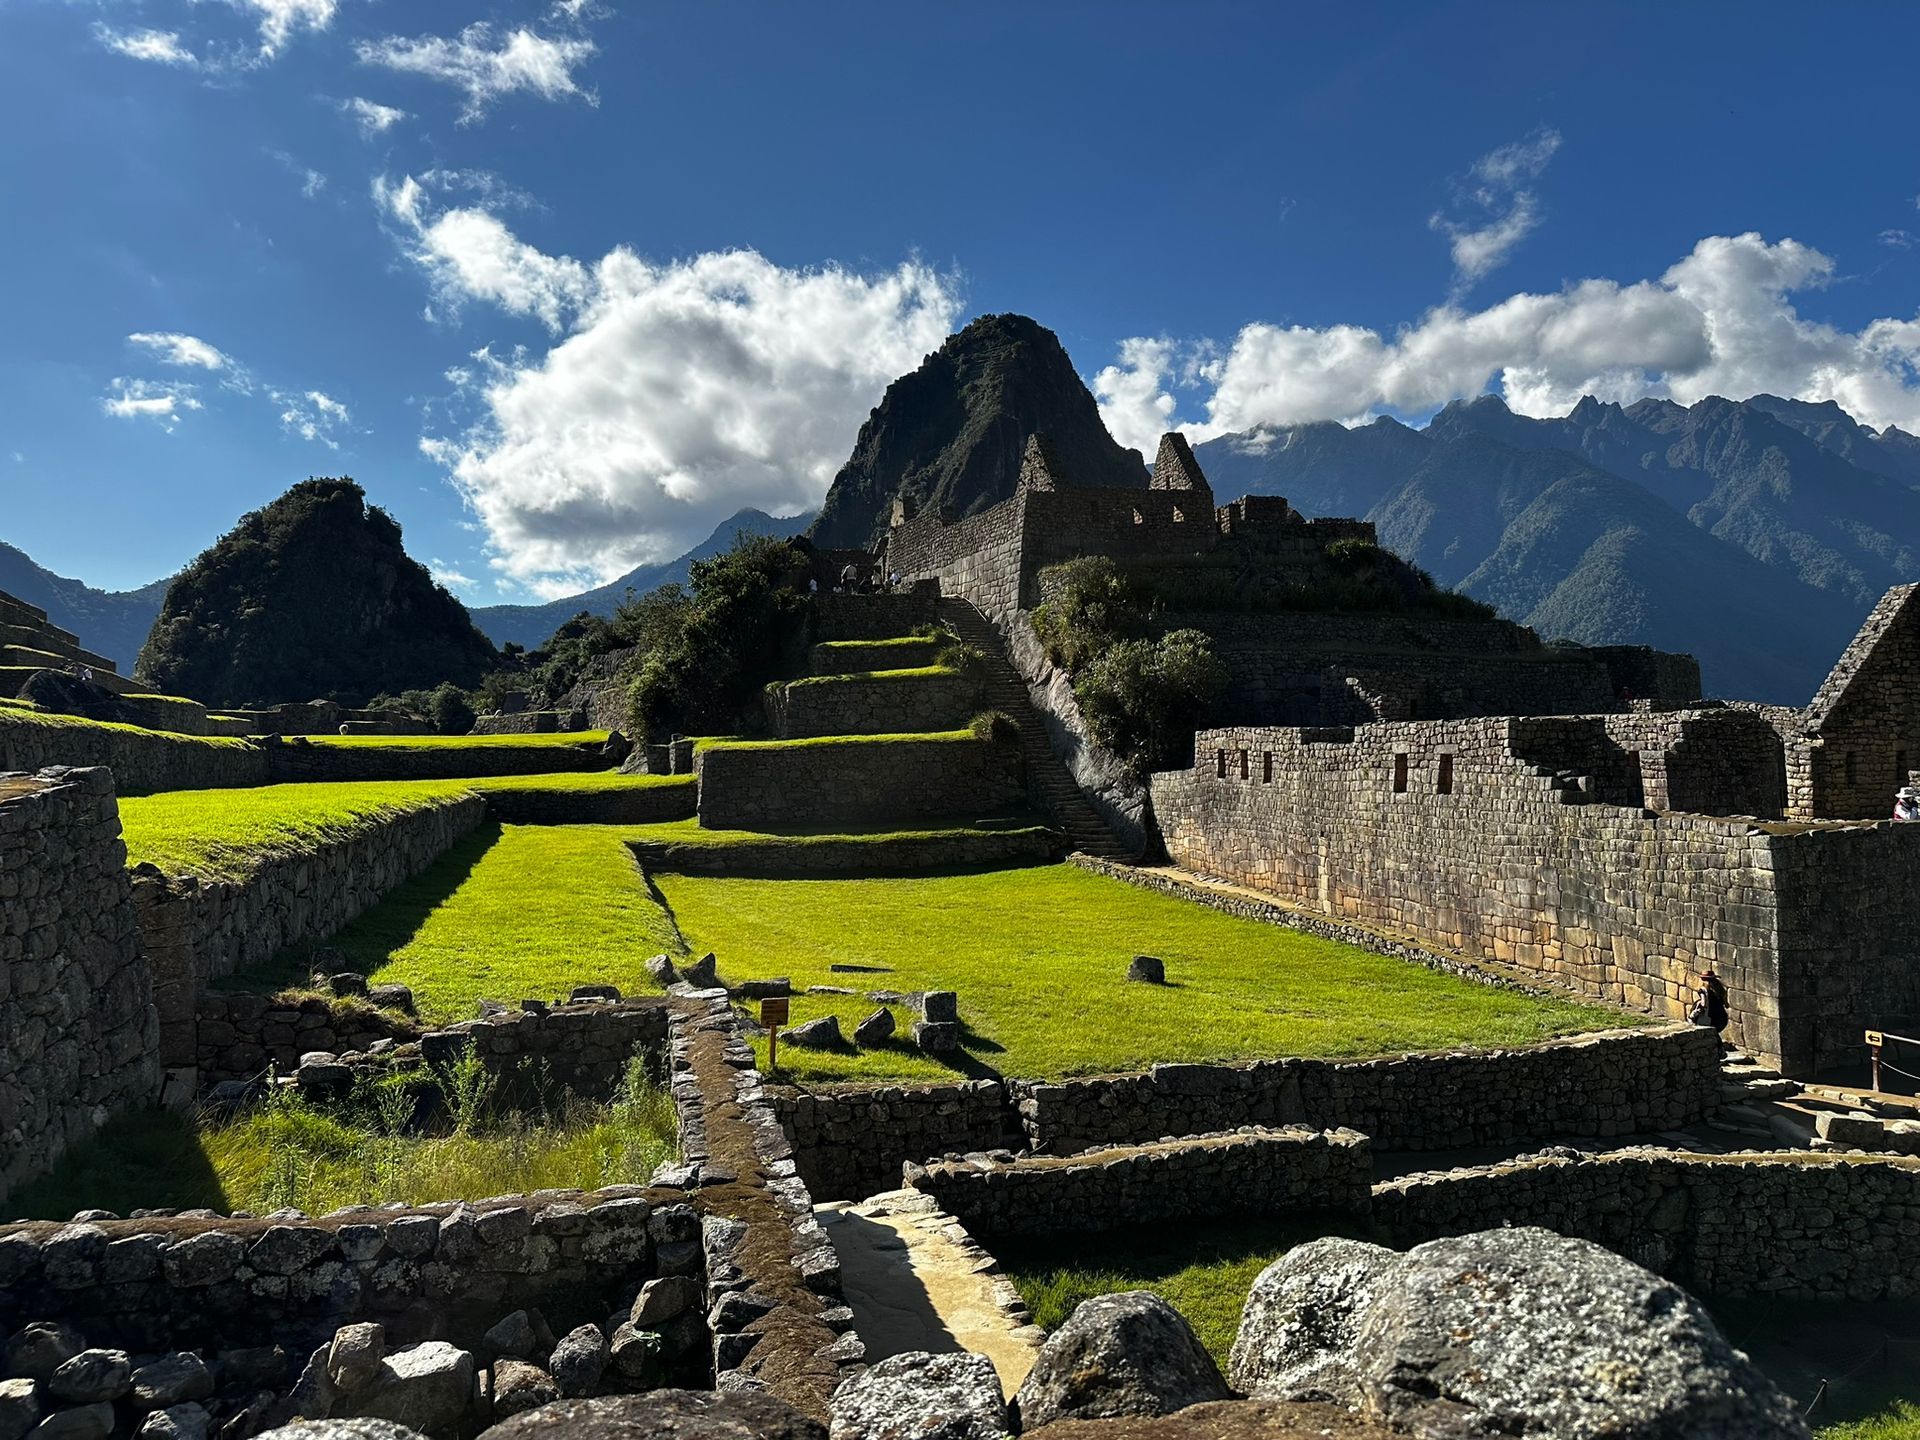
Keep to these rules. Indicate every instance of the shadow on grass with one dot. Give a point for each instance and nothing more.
(148, 1159)
(371, 940)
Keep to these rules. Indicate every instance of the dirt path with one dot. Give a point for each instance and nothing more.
(915, 1281)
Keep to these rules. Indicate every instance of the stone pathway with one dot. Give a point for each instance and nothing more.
(916, 1281)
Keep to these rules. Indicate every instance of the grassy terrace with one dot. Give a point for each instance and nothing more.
(917, 672)
(1038, 954)
(18, 712)
(953, 737)
(509, 913)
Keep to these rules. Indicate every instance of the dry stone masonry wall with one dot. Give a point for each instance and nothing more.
(851, 1142)
(822, 783)
(881, 704)
(78, 1028)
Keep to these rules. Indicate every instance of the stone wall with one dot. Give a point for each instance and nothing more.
(622, 805)
(884, 616)
(904, 703)
(142, 761)
(820, 783)
(1792, 1226)
(237, 1036)
(851, 657)
(530, 722)
(853, 855)
(1261, 1172)
(197, 931)
(850, 1142)
(78, 1031)
(1616, 1082)
(440, 759)
(1861, 732)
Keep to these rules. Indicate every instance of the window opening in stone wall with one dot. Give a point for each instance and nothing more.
(1246, 770)
(1851, 769)
(1899, 768)
(1220, 764)
(1267, 776)
(1443, 780)
(1399, 774)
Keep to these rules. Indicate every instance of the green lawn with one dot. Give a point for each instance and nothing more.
(509, 913)
(1038, 956)
(1899, 1421)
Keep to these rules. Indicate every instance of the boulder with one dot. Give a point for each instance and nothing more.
(518, 1386)
(662, 1415)
(1512, 1332)
(392, 997)
(940, 1007)
(347, 982)
(92, 1376)
(349, 1429)
(702, 974)
(660, 967)
(1147, 970)
(65, 694)
(429, 1387)
(20, 1408)
(1118, 1355)
(82, 1422)
(579, 1360)
(170, 1380)
(822, 1033)
(177, 1422)
(353, 1359)
(513, 1337)
(876, 1029)
(917, 1396)
(660, 1300)
(936, 1037)
(638, 1356)
(35, 1351)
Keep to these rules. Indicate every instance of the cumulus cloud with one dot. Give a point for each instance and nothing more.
(678, 393)
(280, 19)
(486, 68)
(162, 400)
(312, 415)
(172, 348)
(446, 574)
(372, 117)
(159, 47)
(1719, 322)
(1494, 210)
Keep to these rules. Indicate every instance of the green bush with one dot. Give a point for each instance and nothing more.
(1092, 606)
(961, 658)
(1143, 699)
(995, 725)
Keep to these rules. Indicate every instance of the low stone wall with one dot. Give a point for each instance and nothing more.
(627, 805)
(142, 761)
(79, 1035)
(817, 784)
(1794, 1225)
(1616, 1082)
(531, 722)
(809, 855)
(196, 932)
(1252, 1172)
(852, 1142)
(881, 704)
(442, 760)
(850, 657)
(871, 617)
(237, 1036)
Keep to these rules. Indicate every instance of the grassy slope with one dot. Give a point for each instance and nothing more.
(524, 911)
(1038, 955)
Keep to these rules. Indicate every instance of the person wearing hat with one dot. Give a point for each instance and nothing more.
(1710, 1005)
(1906, 803)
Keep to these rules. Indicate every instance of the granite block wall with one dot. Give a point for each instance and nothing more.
(858, 705)
(142, 761)
(850, 1142)
(883, 616)
(1260, 1172)
(237, 1036)
(624, 805)
(817, 784)
(772, 856)
(79, 1034)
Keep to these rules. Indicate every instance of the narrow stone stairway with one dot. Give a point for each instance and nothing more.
(1047, 773)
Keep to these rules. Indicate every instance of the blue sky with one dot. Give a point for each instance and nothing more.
(565, 284)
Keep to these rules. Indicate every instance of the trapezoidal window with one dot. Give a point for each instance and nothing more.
(1266, 777)
(1399, 774)
(1851, 768)
(1246, 770)
(1220, 764)
(1443, 776)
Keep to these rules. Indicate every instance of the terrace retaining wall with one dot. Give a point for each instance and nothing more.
(78, 1029)
(1616, 1082)
(823, 783)
(626, 805)
(815, 855)
(1251, 1172)
(863, 705)
(237, 1036)
(852, 1142)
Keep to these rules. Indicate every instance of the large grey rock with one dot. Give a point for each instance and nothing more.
(354, 1429)
(702, 974)
(660, 1300)
(82, 1422)
(430, 1387)
(513, 1337)
(1118, 1355)
(170, 1380)
(1147, 970)
(936, 1037)
(92, 1376)
(579, 1360)
(353, 1359)
(519, 1386)
(1517, 1332)
(638, 1356)
(876, 1029)
(818, 1034)
(918, 1396)
(662, 1415)
(177, 1422)
(20, 1408)
(35, 1351)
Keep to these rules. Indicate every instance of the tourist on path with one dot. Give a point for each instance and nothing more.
(1906, 804)
(1711, 1006)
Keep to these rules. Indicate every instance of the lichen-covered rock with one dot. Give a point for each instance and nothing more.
(353, 1429)
(663, 1415)
(170, 1380)
(353, 1359)
(92, 1376)
(637, 1356)
(918, 1396)
(519, 1386)
(579, 1360)
(35, 1351)
(1118, 1355)
(177, 1422)
(1506, 1333)
(20, 1408)
(429, 1387)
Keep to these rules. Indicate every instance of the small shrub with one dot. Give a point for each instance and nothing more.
(962, 658)
(996, 726)
(1143, 699)
(1093, 607)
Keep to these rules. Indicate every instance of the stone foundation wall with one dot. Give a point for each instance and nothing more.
(822, 783)
(1795, 1226)
(853, 657)
(79, 1034)
(196, 932)
(850, 1143)
(1259, 1172)
(860, 705)
(440, 760)
(1618, 1082)
(627, 805)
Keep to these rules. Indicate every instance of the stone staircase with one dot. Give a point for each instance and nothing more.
(1048, 779)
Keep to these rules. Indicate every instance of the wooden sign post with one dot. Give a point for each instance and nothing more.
(1875, 1039)
(773, 1014)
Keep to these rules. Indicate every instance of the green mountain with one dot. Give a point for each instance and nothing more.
(951, 434)
(113, 623)
(312, 596)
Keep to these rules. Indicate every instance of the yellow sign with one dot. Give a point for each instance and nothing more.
(1876, 1037)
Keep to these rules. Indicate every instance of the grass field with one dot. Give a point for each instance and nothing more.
(1038, 957)
(509, 913)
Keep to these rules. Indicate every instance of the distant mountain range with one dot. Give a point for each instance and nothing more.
(1755, 534)
(113, 623)
(531, 625)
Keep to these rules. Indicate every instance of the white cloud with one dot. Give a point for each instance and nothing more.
(160, 47)
(1898, 239)
(1133, 402)
(680, 392)
(485, 69)
(312, 415)
(173, 348)
(446, 574)
(1719, 322)
(161, 400)
(279, 19)
(312, 182)
(372, 117)
(1494, 211)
